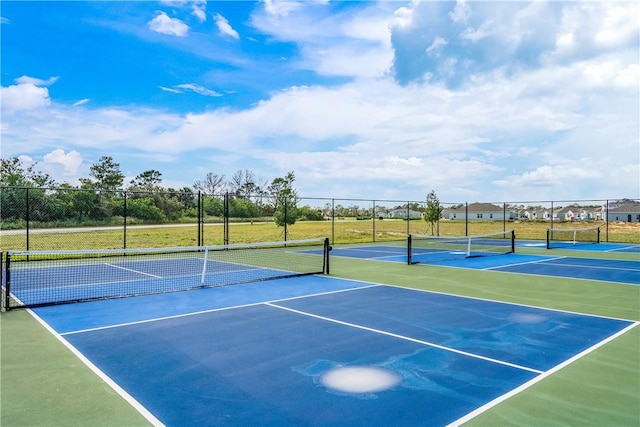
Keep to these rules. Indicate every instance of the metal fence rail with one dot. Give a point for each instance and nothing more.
(68, 218)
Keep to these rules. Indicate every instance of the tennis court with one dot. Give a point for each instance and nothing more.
(374, 343)
(621, 271)
(347, 353)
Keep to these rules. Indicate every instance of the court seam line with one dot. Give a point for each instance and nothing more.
(493, 300)
(550, 261)
(399, 252)
(621, 249)
(99, 373)
(497, 270)
(601, 267)
(212, 310)
(133, 271)
(539, 378)
(402, 337)
(522, 263)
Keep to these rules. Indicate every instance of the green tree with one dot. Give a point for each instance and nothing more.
(147, 181)
(106, 174)
(285, 200)
(310, 214)
(14, 174)
(433, 212)
(212, 184)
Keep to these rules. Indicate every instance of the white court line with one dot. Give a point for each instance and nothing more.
(212, 310)
(622, 249)
(365, 249)
(601, 267)
(378, 331)
(111, 383)
(537, 379)
(525, 262)
(133, 271)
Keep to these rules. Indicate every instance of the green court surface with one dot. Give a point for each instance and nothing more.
(44, 384)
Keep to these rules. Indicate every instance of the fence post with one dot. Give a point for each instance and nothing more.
(466, 218)
(124, 216)
(225, 219)
(504, 216)
(606, 223)
(286, 202)
(27, 216)
(333, 221)
(373, 217)
(200, 219)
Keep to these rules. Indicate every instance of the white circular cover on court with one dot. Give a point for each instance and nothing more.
(360, 379)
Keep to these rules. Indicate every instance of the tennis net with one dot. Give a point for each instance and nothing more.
(568, 237)
(36, 278)
(423, 248)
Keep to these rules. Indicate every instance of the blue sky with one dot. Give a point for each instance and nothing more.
(477, 100)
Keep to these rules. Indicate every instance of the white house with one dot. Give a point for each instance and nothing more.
(402, 213)
(576, 213)
(534, 214)
(565, 214)
(479, 211)
(627, 212)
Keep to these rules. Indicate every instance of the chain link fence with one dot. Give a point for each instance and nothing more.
(71, 218)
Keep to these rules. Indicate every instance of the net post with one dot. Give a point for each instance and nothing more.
(513, 241)
(7, 282)
(548, 238)
(598, 235)
(327, 248)
(409, 249)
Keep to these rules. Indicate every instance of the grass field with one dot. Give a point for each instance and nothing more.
(44, 383)
(339, 231)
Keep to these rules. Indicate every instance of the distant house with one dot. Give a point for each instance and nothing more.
(479, 211)
(565, 214)
(577, 213)
(627, 212)
(402, 213)
(540, 214)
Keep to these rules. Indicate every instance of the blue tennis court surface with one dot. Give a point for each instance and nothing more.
(582, 246)
(620, 271)
(317, 350)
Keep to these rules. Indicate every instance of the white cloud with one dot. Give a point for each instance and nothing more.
(461, 12)
(559, 129)
(198, 10)
(169, 89)
(402, 17)
(225, 28)
(69, 162)
(163, 24)
(4, 20)
(588, 27)
(35, 81)
(200, 90)
(26, 96)
(620, 24)
(436, 46)
(81, 102)
(354, 45)
(281, 7)
(474, 34)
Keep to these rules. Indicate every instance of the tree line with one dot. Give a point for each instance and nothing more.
(104, 197)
